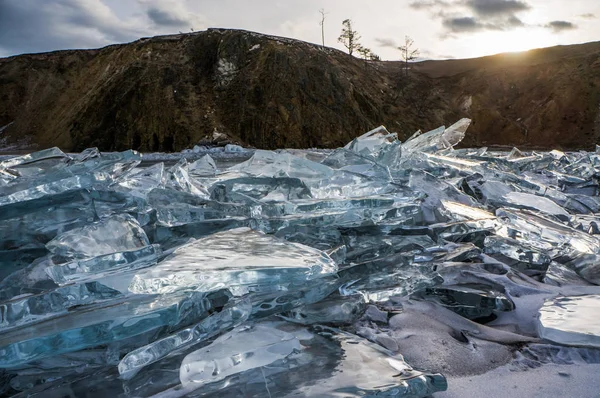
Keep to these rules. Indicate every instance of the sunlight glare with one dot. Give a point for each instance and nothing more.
(489, 43)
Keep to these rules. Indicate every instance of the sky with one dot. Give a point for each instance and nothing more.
(440, 29)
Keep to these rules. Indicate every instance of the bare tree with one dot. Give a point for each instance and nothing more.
(408, 53)
(322, 23)
(349, 38)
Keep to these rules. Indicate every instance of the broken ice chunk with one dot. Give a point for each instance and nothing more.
(321, 362)
(372, 141)
(238, 259)
(177, 178)
(455, 133)
(438, 139)
(140, 182)
(203, 167)
(36, 164)
(379, 145)
(23, 310)
(436, 190)
(469, 300)
(117, 233)
(260, 188)
(343, 159)
(534, 202)
(392, 276)
(99, 323)
(245, 348)
(40, 156)
(282, 164)
(460, 212)
(98, 267)
(231, 316)
(571, 320)
(333, 310)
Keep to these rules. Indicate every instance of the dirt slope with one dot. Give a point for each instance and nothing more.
(171, 92)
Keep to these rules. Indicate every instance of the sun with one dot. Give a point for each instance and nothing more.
(489, 43)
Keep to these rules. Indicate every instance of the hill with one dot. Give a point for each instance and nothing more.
(170, 92)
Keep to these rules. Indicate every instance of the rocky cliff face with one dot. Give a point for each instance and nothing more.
(168, 93)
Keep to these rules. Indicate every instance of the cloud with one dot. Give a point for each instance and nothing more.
(172, 14)
(480, 14)
(559, 26)
(472, 24)
(29, 26)
(36, 26)
(589, 15)
(492, 8)
(386, 42)
(165, 17)
(462, 24)
(427, 4)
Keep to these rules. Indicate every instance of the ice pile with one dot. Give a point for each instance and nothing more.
(292, 273)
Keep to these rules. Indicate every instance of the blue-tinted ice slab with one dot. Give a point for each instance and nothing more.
(245, 348)
(82, 270)
(438, 139)
(379, 145)
(96, 324)
(203, 167)
(178, 178)
(282, 164)
(239, 259)
(32, 308)
(231, 316)
(284, 360)
(140, 182)
(113, 234)
(571, 320)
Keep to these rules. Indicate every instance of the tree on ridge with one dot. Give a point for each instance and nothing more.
(349, 38)
(408, 53)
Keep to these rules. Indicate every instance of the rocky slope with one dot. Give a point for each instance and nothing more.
(171, 92)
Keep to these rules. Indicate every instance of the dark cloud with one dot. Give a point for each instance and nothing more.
(386, 42)
(588, 16)
(486, 14)
(427, 4)
(472, 24)
(166, 18)
(463, 24)
(513, 22)
(492, 8)
(37, 25)
(559, 26)
(172, 14)
(28, 26)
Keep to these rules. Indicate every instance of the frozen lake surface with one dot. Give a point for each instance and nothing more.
(382, 268)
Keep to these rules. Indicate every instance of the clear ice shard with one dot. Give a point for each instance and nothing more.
(533, 202)
(203, 167)
(96, 324)
(245, 348)
(117, 233)
(378, 145)
(469, 300)
(82, 270)
(571, 320)
(229, 317)
(272, 359)
(438, 139)
(333, 310)
(240, 259)
(32, 308)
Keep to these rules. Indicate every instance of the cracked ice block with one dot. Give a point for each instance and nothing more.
(239, 259)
